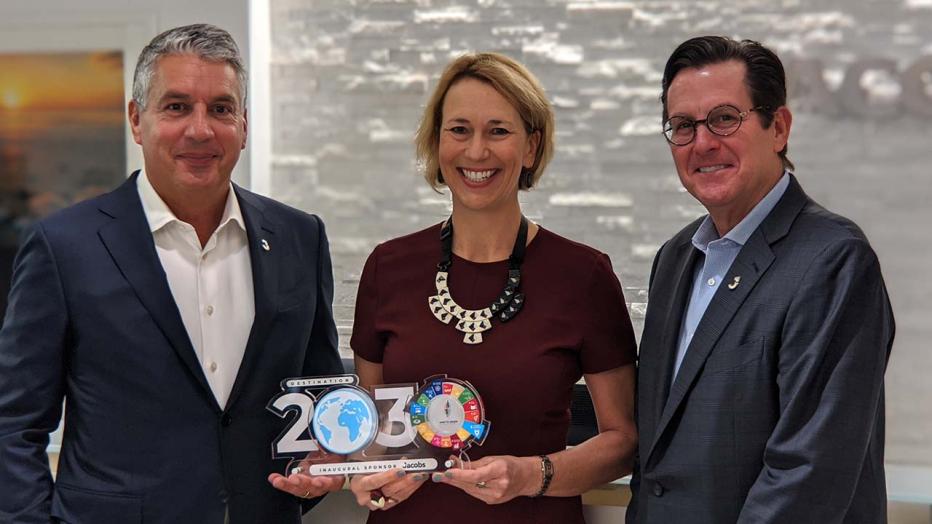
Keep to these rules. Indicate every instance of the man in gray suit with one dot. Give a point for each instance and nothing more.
(768, 329)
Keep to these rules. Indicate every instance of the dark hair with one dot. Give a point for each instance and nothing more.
(765, 78)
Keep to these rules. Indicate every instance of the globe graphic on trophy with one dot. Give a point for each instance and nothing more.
(345, 420)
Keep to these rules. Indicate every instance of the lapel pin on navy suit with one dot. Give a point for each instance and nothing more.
(265, 245)
(735, 283)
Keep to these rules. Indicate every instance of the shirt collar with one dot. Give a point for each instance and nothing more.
(159, 215)
(740, 234)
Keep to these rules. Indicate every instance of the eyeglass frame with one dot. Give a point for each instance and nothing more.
(742, 116)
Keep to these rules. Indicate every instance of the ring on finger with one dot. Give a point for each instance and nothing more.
(378, 499)
(307, 495)
(481, 484)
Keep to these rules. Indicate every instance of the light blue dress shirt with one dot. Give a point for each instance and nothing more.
(720, 253)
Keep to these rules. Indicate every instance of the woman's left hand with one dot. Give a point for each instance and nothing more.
(495, 479)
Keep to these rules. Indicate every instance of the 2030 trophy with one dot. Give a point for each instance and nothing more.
(340, 428)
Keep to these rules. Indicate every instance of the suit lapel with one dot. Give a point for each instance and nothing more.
(686, 256)
(129, 241)
(265, 256)
(752, 262)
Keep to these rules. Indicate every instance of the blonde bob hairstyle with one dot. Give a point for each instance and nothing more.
(515, 83)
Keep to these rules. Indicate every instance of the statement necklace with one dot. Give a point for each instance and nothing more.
(473, 322)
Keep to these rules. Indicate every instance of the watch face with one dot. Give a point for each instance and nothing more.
(345, 420)
(448, 413)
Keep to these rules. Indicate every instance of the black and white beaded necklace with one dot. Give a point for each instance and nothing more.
(473, 322)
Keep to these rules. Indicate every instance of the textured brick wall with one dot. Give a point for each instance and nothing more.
(349, 80)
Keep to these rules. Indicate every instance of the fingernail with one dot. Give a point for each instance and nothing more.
(436, 477)
(400, 474)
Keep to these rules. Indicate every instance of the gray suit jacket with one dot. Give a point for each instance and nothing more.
(777, 412)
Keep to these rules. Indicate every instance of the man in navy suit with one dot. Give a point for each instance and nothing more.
(165, 314)
(768, 327)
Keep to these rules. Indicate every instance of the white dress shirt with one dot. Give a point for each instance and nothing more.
(212, 286)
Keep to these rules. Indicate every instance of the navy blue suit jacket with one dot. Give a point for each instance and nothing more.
(91, 319)
(777, 412)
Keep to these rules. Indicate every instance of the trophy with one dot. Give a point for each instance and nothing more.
(338, 428)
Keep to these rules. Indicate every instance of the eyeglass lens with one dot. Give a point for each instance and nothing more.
(723, 121)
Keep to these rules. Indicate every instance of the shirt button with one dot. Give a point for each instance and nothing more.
(212, 366)
(210, 310)
(711, 282)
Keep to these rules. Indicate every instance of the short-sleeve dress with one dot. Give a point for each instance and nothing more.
(574, 321)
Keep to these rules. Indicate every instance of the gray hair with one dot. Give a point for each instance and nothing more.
(207, 42)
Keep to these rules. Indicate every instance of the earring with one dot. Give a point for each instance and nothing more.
(527, 179)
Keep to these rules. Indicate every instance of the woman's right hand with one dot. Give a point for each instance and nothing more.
(391, 487)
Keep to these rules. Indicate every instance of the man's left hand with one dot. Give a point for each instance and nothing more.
(305, 486)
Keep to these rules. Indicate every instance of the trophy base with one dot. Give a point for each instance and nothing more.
(373, 466)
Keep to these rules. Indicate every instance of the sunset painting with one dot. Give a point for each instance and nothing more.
(61, 137)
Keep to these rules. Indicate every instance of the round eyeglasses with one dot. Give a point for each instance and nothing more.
(723, 120)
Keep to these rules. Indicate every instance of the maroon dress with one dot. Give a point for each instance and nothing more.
(574, 321)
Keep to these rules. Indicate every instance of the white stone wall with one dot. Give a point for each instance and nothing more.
(349, 80)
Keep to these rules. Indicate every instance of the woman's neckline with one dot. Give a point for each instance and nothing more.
(529, 250)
